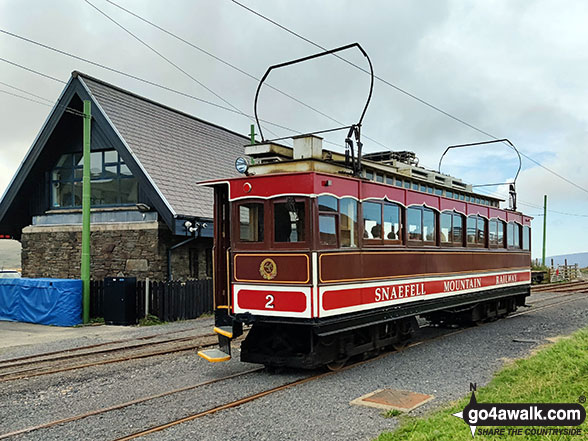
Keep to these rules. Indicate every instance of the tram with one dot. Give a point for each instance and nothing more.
(330, 256)
(325, 265)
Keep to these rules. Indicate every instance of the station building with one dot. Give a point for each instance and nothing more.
(148, 217)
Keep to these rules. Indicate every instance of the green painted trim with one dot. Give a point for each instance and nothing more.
(85, 270)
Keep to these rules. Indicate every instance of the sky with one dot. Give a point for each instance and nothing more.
(512, 68)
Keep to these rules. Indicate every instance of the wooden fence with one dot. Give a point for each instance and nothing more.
(169, 301)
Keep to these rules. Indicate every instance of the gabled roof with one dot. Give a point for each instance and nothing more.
(168, 151)
(175, 149)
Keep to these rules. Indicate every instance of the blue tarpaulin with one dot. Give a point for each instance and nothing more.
(44, 301)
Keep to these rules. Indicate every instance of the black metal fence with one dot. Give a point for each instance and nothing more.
(169, 301)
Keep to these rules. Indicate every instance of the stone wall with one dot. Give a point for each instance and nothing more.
(117, 249)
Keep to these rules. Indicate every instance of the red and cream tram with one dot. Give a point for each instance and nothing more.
(326, 266)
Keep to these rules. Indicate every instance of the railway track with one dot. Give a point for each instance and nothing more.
(577, 286)
(559, 300)
(73, 359)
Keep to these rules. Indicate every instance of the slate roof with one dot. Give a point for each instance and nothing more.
(175, 149)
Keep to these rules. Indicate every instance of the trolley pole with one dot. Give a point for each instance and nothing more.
(85, 267)
(544, 227)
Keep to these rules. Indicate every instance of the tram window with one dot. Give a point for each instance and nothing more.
(446, 219)
(448, 194)
(457, 229)
(251, 222)
(423, 188)
(500, 234)
(406, 184)
(391, 222)
(438, 192)
(389, 180)
(456, 196)
(510, 235)
(428, 225)
(471, 232)
(467, 198)
(289, 221)
(462, 197)
(415, 186)
(328, 229)
(327, 203)
(517, 236)
(369, 175)
(481, 232)
(414, 221)
(492, 230)
(348, 222)
(372, 220)
(399, 182)
(429, 189)
(526, 238)
(379, 178)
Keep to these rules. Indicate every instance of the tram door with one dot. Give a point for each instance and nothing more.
(222, 243)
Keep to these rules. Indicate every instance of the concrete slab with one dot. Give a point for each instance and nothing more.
(20, 334)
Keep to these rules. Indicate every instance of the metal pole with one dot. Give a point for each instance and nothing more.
(544, 227)
(252, 134)
(147, 287)
(85, 270)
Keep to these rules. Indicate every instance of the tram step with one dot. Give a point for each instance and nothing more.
(214, 355)
(227, 331)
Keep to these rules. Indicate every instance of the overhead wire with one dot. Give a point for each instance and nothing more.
(232, 66)
(399, 89)
(81, 114)
(25, 91)
(128, 75)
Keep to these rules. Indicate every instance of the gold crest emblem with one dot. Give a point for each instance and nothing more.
(268, 269)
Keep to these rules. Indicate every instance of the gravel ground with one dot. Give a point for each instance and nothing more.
(316, 410)
(29, 339)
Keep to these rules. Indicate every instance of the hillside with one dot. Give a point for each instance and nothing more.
(9, 254)
(580, 258)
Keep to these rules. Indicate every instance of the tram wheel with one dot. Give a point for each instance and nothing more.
(337, 365)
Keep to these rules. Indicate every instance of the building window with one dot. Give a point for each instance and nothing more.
(251, 222)
(112, 183)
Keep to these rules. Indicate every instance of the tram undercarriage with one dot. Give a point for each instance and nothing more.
(318, 343)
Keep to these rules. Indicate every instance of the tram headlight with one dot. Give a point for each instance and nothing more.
(241, 165)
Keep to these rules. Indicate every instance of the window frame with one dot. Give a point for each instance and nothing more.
(477, 243)
(382, 241)
(452, 242)
(269, 210)
(423, 241)
(73, 160)
(237, 243)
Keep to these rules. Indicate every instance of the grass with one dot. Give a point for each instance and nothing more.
(391, 413)
(557, 373)
(150, 320)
